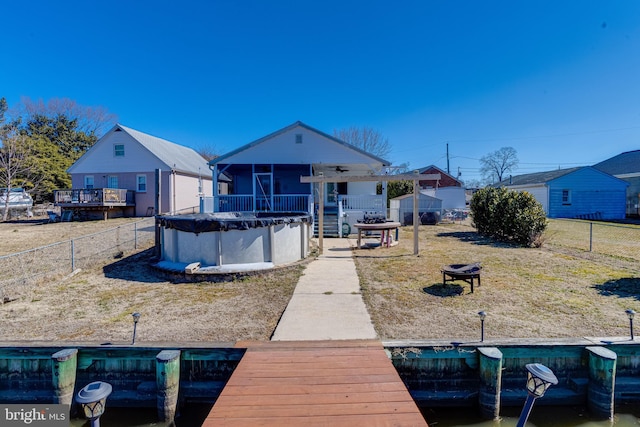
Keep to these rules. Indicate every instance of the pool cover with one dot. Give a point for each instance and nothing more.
(225, 221)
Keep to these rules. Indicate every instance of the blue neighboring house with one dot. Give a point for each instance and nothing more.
(583, 192)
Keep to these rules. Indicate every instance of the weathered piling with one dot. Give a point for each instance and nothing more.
(490, 381)
(602, 379)
(168, 384)
(63, 377)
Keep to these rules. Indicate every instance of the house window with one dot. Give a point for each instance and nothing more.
(112, 181)
(566, 197)
(118, 150)
(141, 183)
(88, 182)
(298, 138)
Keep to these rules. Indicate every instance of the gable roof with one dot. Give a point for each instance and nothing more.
(175, 156)
(440, 171)
(624, 163)
(289, 128)
(535, 178)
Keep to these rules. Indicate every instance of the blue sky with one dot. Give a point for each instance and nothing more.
(559, 81)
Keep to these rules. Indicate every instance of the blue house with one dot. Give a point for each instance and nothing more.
(265, 177)
(583, 192)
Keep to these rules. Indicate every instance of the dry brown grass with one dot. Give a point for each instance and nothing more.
(96, 304)
(19, 236)
(526, 292)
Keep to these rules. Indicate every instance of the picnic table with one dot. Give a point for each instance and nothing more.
(384, 228)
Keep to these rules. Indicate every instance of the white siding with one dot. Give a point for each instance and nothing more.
(101, 159)
(362, 188)
(283, 149)
(541, 194)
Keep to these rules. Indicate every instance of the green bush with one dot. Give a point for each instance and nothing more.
(508, 216)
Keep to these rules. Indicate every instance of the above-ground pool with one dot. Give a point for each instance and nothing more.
(232, 241)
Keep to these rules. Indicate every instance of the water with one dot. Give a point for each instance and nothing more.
(542, 416)
(193, 415)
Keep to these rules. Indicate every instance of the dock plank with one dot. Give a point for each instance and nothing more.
(313, 383)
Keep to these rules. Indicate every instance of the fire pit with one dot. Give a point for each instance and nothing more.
(464, 272)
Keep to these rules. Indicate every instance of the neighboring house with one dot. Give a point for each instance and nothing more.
(626, 166)
(448, 189)
(265, 177)
(117, 176)
(583, 192)
(452, 197)
(445, 180)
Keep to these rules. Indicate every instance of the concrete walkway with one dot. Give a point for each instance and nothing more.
(327, 303)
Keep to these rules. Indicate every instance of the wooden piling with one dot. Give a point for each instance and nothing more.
(63, 369)
(168, 384)
(602, 379)
(490, 381)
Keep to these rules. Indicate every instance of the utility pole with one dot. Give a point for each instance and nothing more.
(448, 171)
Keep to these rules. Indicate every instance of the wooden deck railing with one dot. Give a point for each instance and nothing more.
(95, 197)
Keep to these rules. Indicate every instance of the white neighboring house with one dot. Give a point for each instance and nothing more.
(452, 197)
(117, 176)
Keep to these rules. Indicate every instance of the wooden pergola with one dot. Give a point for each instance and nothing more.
(416, 177)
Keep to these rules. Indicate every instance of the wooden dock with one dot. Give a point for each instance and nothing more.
(315, 383)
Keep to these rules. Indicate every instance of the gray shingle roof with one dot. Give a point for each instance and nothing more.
(176, 156)
(535, 178)
(624, 163)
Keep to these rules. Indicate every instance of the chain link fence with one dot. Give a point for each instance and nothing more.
(19, 272)
(616, 240)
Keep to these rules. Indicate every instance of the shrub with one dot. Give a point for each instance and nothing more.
(508, 216)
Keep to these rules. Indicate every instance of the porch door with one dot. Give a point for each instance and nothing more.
(332, 191)
(331, 194)
(263, 192)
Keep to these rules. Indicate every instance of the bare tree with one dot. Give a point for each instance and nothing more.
(208, 151)
(90, 120)
(495, 165)
(15, 164)
(366, 139)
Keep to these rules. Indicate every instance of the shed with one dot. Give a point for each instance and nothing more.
(401, 207)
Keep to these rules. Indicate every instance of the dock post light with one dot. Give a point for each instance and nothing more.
(93, 398)
(482, 315)
(136, 317)
(630, 313)
(539, 379)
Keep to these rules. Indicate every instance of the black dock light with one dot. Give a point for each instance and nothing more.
(539, 379)
(136, 317)
(482, 315)
(630, 312)
(93, 398)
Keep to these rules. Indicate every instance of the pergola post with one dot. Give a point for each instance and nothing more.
(415, 177)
